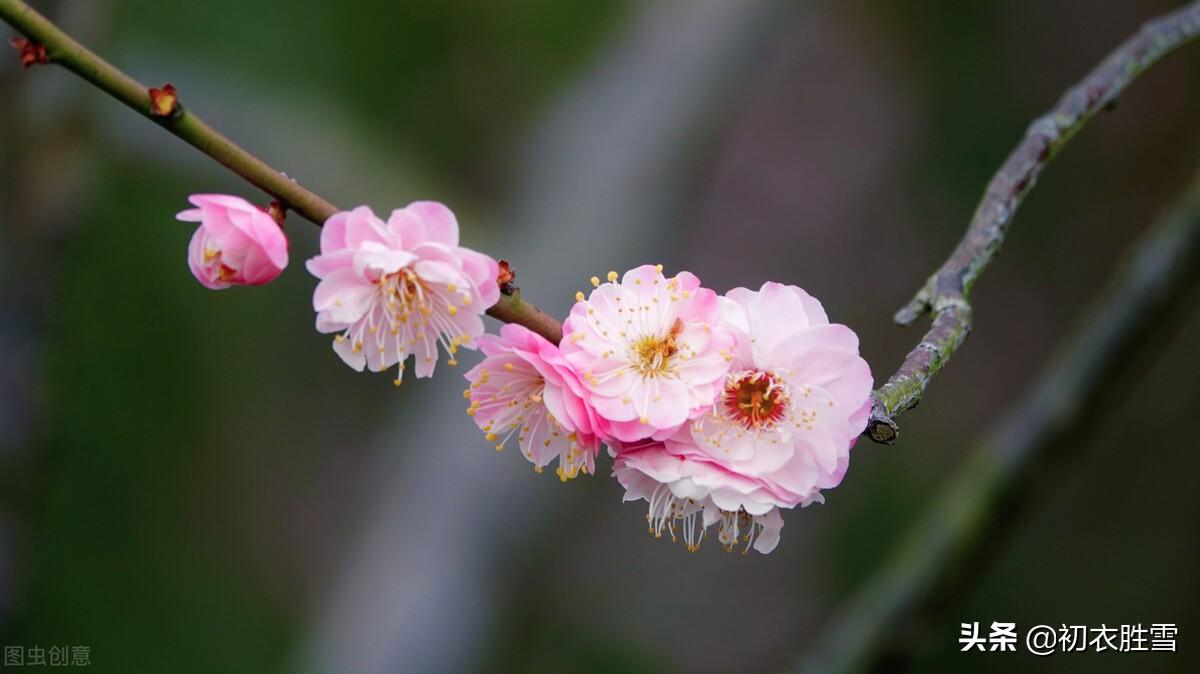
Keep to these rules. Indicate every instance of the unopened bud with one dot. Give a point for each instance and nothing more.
(506, 277)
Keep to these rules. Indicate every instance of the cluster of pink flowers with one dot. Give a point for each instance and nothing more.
(718, 411)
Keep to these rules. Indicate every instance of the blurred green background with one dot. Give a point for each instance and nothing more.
(189, 477)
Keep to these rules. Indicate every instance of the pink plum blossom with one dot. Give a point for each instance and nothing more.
(793, 403)
(687, 495)
(648, 351)
(401, 287)
(526, 388)
(237, 243)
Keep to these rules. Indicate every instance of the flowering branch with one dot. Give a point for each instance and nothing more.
(998, 476)
(161, 106)
(945, 294)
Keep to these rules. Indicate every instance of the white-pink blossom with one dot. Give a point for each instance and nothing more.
(794, 401)
(525, 388)
(401, 287)
(686, 495)
(648, 351)
(237, 243)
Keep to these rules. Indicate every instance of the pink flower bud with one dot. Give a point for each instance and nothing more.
(237, 242)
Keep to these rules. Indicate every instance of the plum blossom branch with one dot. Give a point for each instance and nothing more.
(998, 477)
(945, 294)
(61, 49)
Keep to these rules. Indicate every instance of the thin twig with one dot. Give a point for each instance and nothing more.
(65, 51)
(997, 478)
(946, 292)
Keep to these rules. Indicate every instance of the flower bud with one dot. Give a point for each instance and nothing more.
(237, 242)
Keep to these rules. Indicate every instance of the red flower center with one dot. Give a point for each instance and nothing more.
(755, 400)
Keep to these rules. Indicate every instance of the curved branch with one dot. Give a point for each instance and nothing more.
(65, 51)
(946, 292)
(998, 476)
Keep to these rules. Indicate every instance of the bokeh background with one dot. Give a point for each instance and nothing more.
(192, 481)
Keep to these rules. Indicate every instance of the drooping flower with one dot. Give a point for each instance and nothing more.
(795, 399)
(401, 287)
(687, 495)
(237, 243)
(648, 351)
(525, 388)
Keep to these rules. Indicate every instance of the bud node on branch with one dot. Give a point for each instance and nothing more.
(506, 278)
(164, 102)
(31, 53)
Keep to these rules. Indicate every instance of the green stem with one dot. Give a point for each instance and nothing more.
(63, 50)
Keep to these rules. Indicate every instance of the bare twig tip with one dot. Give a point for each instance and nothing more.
(883, 431)
(909, 314)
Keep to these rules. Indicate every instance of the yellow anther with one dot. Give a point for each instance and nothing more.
(508, 366)
(491, 437)
(579, 296)
(397, 381)
(658, 268)
(453, 310)
(595, 282)
(612, 276)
